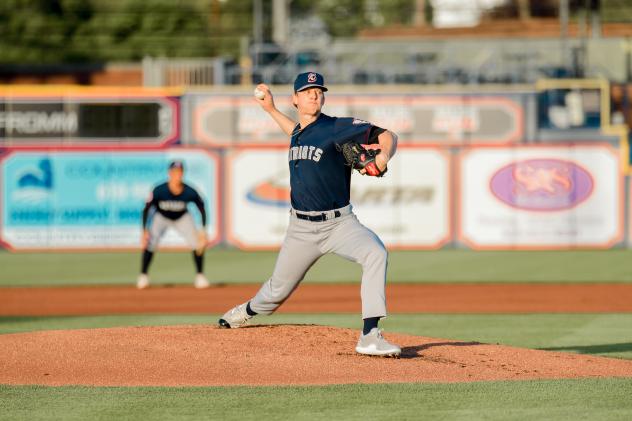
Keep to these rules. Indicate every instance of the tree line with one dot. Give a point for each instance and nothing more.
(89, 31)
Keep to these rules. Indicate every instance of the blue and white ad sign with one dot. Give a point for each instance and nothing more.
(94, 200)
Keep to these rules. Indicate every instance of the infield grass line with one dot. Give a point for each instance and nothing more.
(234, 266)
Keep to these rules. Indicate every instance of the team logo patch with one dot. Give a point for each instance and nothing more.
(358, 121)
(542, 185)
(311, 78)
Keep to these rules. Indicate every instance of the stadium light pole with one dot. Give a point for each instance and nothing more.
(257, 30)
(280, 20)
(595, 18)
(419, 17)
(563, 13)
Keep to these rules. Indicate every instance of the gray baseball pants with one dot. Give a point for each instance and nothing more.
(184, 225)
(306, 241)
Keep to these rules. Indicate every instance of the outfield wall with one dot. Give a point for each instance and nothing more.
(93, 199)
(409, 208)
(529, 169)
(59, 117)
(221, 120)
(540, 197)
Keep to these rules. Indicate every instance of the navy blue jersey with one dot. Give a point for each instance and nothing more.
(173, 206)
(319, 178)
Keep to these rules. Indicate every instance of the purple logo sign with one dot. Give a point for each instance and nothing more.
(542, 184)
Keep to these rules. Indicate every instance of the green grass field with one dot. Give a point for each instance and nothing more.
(404, 266)
(550, 400)
(606, 335)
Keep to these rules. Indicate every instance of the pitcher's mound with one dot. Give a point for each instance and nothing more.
(269, 355)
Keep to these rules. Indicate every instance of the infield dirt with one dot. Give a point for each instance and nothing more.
(321, 298)
(283, 354)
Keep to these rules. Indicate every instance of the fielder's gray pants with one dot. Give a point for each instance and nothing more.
(184, 225)
(307, 241)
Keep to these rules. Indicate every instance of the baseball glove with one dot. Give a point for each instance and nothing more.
(359, 158)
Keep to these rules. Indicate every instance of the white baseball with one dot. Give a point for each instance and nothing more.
(259, 94)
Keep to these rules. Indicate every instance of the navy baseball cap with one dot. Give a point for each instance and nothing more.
(176, 164)
(309, 80)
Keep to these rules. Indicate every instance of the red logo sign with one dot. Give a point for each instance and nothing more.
(311, 78)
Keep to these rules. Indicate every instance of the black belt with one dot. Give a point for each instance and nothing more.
(316, 218)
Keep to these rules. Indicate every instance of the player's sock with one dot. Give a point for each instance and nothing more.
(250, 311)
(147, 256)
(199, 262)
(369, 324)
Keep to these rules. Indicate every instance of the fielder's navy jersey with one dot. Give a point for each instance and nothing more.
(173, 206)
(319, 178)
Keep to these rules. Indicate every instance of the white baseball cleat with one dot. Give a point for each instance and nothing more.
(143, 281)
(201, 281)
(373, 343)
(235, 317)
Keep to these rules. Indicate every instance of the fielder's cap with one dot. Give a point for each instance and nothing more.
(176, 164)
(309, 80)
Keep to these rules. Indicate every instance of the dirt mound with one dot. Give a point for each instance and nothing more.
(269, 355)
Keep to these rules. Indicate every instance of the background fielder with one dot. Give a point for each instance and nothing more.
(321, 218)
(167, 208)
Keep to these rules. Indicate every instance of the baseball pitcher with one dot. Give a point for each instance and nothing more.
(323, 151)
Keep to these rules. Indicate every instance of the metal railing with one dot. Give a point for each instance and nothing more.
(183, 72)
(470, 61)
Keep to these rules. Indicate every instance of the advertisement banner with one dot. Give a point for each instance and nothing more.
(408, 208)
(541, 197)
(219, 120)
(94, 200)
(465, 120)
(88, 119)
(417, 119)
